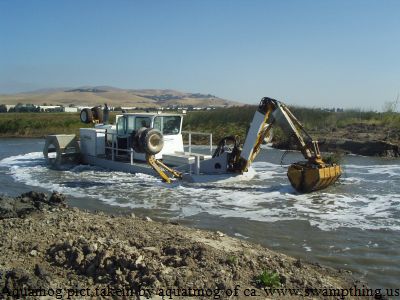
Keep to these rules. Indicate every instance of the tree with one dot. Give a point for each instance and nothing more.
(391, 106)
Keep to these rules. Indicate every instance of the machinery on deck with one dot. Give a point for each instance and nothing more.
(150, 141)
(155, 140)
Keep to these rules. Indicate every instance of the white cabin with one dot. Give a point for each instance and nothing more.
(170, 125)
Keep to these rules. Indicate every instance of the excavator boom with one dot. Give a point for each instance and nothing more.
(306, 176)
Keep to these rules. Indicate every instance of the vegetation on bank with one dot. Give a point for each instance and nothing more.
(40, 124)
(220, 122)
(236, 120)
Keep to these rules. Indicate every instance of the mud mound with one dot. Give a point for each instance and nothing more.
(69, 251)
(29, 202)
(366, 148)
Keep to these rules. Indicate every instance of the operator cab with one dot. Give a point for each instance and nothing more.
(166, 124)
(170, 125)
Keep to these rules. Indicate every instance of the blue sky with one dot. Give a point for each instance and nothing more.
(309, 53)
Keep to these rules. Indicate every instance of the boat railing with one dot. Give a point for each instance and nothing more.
(114, 146)
(190, 133)
(115, 149)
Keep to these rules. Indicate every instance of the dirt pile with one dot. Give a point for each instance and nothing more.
(357, 138)
(366, 148)
(66, 252)
(28, 203)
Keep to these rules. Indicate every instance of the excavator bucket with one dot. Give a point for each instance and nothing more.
(306, 177)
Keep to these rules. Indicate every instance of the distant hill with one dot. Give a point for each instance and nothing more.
(115, 97)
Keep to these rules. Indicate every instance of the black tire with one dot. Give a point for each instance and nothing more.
(138, 144)
(152, 141)
(86, 116)
(97, 114)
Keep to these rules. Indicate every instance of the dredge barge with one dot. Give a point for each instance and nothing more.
(152, 143)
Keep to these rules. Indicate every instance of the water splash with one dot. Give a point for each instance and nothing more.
(365, 199)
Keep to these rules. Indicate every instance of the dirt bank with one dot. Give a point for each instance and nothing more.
(47, 247)
(361, 139)
(366, 148)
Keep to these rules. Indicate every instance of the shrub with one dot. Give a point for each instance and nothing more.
(268, 279)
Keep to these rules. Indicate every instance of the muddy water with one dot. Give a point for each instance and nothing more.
(353, 225)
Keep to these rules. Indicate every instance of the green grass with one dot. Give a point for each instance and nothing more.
(220, 122)
(236, 120)
(333, 158)
(40, 124)
(232, 260)
(268, 279)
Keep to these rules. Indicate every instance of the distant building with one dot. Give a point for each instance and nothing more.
(128, 107)
(70, 109)
(50, 108)
(83, 107)
(25, 108)
(9, 106)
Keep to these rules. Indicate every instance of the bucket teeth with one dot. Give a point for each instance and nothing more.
(306, 178)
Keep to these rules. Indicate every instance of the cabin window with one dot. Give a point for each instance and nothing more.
(168, 124)
(121, 126)
(142, 122)
(131, 124)
(157, 124)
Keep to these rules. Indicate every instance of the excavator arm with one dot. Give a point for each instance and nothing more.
(305, 176)
(162, 168)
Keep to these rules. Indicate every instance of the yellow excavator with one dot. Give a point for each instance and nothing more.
(305, 176)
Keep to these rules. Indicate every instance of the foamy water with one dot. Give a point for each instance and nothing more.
(352, 225)
(367, 196)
